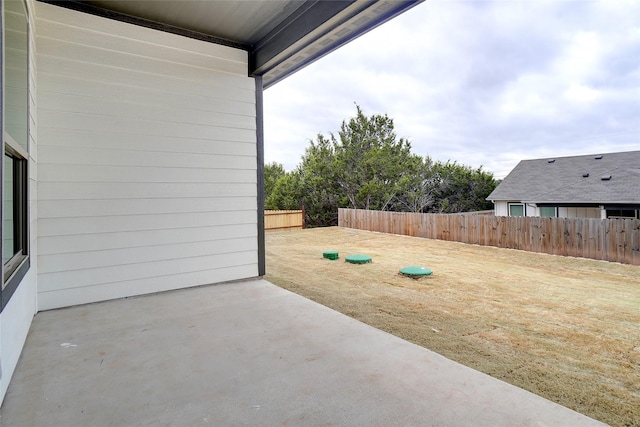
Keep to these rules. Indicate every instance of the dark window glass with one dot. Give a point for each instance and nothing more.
(548, 212)
(15, 135)
(516, 209)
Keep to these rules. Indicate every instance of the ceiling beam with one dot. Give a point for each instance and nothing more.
(319, 28)
(303, 22)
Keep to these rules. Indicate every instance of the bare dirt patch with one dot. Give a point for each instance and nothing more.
(567, 329)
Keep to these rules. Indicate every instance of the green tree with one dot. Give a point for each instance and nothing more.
(321, 194)
(418, 191)
(272, 173)
(311, 185)
(366, 166)
(371, 164)
(460, 188)
(286, 193)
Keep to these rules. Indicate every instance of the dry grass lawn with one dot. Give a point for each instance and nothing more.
(567, 329)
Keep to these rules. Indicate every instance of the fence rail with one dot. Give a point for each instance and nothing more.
(283, 220)
(616, 240)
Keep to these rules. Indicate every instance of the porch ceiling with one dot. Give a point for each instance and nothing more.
(281, 36)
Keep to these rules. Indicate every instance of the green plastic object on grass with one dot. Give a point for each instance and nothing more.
(415, 271)
(358, 259)
(332, 255)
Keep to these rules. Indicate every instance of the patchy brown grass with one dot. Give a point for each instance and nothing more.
(567, 329)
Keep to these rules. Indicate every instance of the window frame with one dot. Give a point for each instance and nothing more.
(555, 212)
(14, 270)
(524, 209)
(619, 213)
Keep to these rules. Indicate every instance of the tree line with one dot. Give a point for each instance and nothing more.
(366, 166)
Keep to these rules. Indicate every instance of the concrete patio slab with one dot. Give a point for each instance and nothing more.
(247, 353)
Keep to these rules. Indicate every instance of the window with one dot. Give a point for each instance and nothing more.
(516, 209)
(14, 243)
(15, 137)
(621, 213)
(548, 212)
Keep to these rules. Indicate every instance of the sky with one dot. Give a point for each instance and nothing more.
(483, 83)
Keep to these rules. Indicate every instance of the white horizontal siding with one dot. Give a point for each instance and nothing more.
(146, 37)
(87, 73)
(70, 138)
(106, 108)
(112, 224)
(73, 296)
(227, 99)
(501, 208)
(92, 173)
(16, 317)
(123, 124)
(106, 50)
(160, 190)
(61, 262)
(147, 153)
(128, 157)
(218, 234)
(91, 207)
(575, 212)
(142, 270)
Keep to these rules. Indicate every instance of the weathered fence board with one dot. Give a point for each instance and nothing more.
(616, 240)
(283, 220)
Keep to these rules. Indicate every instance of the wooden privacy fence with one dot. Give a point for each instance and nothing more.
(616, 240)
(283, 220)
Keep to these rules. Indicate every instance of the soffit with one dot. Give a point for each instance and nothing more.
(244, 22)
(281, 36)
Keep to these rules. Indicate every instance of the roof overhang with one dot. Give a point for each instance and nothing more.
(565, 204)
(281, 36)
(622, 206)
(605, 205)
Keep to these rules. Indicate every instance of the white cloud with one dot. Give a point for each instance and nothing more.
(582, 57)
(581, 93)
(479, 82)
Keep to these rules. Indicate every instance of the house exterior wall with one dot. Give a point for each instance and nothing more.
(501, 208)
(16, 317)
(147, 175)
(572, 212)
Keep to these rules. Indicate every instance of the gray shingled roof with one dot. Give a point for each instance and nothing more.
(562, 181)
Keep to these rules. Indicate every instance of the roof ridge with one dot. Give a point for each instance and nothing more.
(613, 153)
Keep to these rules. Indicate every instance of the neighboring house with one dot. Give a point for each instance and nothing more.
(590, 186)
(133, 145)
